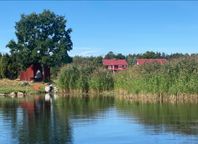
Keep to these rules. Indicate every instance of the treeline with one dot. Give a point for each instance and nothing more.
(131, 58)
(146, 55)
(178, 76)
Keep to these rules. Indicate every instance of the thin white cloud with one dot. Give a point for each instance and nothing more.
(86, 51)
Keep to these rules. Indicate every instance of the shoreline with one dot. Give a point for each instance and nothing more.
(157, 98)
(117, 94)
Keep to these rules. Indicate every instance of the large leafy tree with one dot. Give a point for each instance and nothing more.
(41, 38)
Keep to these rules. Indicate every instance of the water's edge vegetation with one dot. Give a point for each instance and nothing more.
(175, 82)
(85, 79)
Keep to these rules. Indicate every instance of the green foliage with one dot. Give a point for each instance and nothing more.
(131, 59)
(84, 78)
(178, 55)
(41, 38)
(176, 77)
(151, 54)
(8, 67)
(111, 55)
(68, 77)
(179, 76)
(101, 80)
(84, 61)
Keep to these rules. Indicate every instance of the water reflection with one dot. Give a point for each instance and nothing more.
(44, 120)
(51, 120)
(180, 119)
(40, 124)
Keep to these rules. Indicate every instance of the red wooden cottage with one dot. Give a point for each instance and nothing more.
(31, 73)
(115, 64)
(145, 61)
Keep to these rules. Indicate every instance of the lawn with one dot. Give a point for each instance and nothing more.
(8, 86)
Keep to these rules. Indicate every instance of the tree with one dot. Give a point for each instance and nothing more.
(92, 61)
(120, 56)
(176, 55)
(41, 39)
(151, 55)
(8, 67)
(110, 55)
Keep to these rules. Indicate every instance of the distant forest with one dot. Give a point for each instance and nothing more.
(131, 58)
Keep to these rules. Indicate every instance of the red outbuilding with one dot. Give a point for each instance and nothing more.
(115, 64)
(145, 61)
(35, 72)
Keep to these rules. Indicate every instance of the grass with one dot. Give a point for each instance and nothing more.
(7, 86)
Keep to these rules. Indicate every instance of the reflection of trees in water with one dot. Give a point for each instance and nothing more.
(36, 122)
(181, 118)
(83, 107)
(8, 111)
(40, 121)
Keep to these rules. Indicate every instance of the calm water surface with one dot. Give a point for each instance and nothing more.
(104, 120)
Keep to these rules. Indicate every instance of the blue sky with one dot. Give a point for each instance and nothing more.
(122, 27)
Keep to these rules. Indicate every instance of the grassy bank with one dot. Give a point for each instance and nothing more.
(9, 86)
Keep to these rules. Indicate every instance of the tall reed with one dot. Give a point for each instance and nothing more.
(85, 78)
(101, 80)
(176, 77)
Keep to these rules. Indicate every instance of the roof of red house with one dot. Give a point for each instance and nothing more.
(114, 62)
(143, 61)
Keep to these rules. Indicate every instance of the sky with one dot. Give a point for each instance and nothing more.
(125, 27)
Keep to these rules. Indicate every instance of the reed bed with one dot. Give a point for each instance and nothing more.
(84, 79)
(177, 77)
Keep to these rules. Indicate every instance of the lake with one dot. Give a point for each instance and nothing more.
(97, 120)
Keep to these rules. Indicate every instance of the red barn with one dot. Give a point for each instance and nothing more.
(115, 64)
(30, 73)
(145, 61)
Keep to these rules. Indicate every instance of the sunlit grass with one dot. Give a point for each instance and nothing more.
(7, 86)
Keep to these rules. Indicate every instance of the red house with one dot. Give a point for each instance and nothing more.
(30, 73)
(115, 64)
(145, 61)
